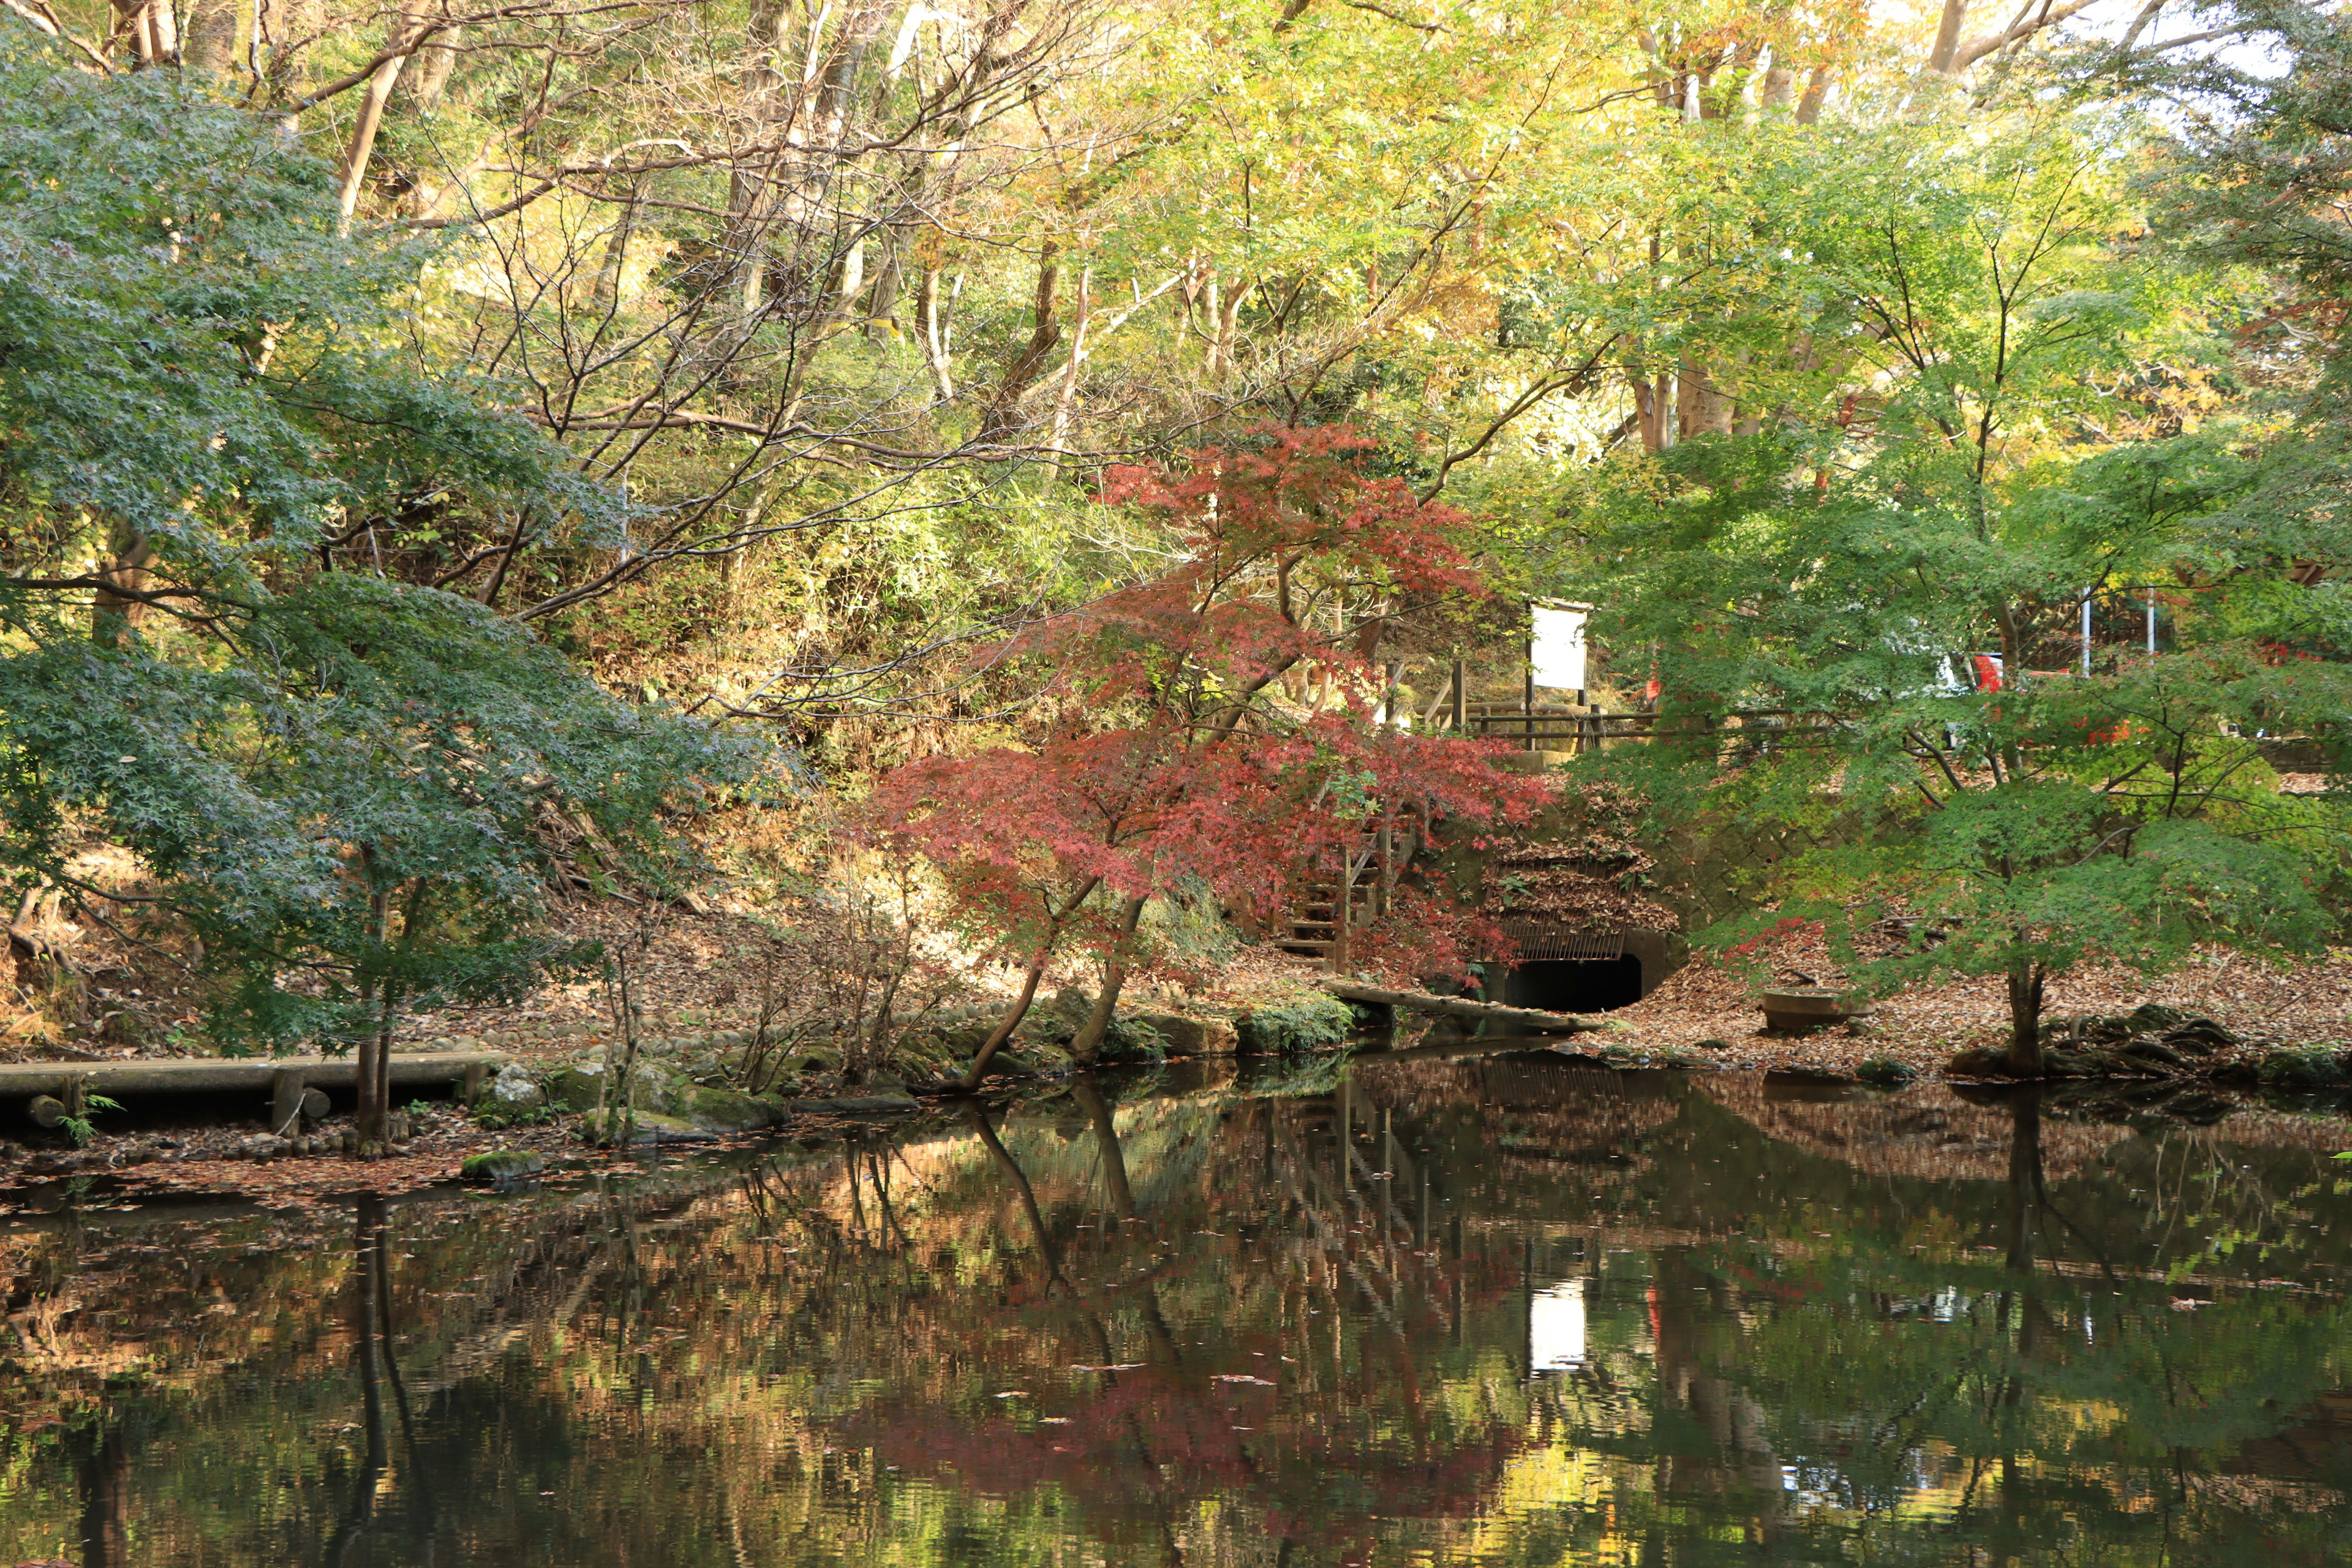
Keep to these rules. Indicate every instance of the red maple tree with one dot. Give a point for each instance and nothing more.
(1218, 725)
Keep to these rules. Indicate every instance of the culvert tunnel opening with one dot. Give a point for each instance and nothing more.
(1575, 984)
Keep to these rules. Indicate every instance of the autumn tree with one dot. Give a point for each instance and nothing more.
(1217, 724)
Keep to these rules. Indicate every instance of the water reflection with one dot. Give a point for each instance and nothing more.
(1509, 1310)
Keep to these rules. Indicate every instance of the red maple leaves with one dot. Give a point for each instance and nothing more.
(1219, 728)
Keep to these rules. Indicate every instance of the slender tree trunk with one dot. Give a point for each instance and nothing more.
(1027, 366)
(1222, 318)
(210, 48)
(429, 82)
(153, 28)
(932, 327)
(1087, 1045)
(2026, 982)
(371, 119)
(1070, 373)
(1817, 92)
(1945, 52)
(607, 292)
(114, 615)
(978, 1073)
(882, 295)
(1704, 410)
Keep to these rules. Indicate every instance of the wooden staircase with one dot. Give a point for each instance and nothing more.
(1356, 882)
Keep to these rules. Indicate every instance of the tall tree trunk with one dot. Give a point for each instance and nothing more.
(428, 83)
(210, 48)
(1817, 92)
(1223, 314)
(2026, 982)
(1087, 1043)
(151, 28)
(1068, 395)
(285, 31)
(1021, 374)
(1704, 410)
(1945, 54)
(606, 295)
(882, 295)
(1054, 920)
(742, 245)
(932, 327)
(371, 119)
(113, 614)
(373, 1116)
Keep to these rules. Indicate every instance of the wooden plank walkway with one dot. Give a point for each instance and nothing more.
(1532, 1020)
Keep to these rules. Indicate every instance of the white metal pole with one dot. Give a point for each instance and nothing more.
(2151, 620)
(2086, 631)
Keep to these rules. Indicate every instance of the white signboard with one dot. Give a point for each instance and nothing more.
(1558, 652)
(1556, 1328)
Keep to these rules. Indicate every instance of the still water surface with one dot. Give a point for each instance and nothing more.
(1493, 1310)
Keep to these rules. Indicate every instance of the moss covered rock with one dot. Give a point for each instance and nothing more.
(1303, 1021)
(2309, 1068)
(502, 1166)
(648, 1127)
(1186, 1036)
(727, 1111)
(577, 1086)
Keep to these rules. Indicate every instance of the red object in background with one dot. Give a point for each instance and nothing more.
(1987, 671)
(1650, 692)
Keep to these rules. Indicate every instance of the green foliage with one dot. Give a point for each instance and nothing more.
(1817, 595)
(340, 780)
(80, 1128)
(1885, 1072)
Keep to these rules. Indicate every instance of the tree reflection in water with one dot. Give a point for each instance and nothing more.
(1503, 1310)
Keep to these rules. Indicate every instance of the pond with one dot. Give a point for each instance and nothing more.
(1403, 1309)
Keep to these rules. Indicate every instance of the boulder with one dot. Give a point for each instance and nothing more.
(502, 1166)
(862, 1105)
(650, 1127)
(577, 1086)
(1885, 1072)
(1186, 1036)
(513, 1090)
(1308, 1021)
(2311, 1068)
(726, 1111)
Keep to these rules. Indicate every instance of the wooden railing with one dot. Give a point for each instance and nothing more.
(1567, 731)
